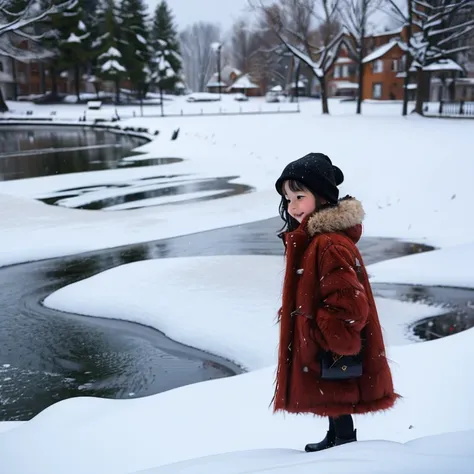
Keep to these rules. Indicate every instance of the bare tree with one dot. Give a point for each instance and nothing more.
(355, 15)
(435, 31)
(244, 45)
(199, 59)
(293, 22)
(269, 61)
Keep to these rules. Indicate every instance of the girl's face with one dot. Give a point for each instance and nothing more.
(300, 203)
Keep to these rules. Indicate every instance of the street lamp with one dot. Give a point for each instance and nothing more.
(217, 47)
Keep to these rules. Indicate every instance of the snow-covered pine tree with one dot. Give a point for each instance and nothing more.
(75, 50)
(165, 43)
(58, 29)
(107, 45)
(438, 31)
(162, 72)
(72, 42)
(135, 42)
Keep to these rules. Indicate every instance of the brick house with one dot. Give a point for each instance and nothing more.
(384, 72)
(343, 76)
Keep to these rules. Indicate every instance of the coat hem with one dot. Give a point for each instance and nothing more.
(339, 409)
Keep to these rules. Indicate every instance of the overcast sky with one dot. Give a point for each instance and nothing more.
(215, 11)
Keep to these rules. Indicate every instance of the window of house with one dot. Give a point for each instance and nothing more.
(377, 66)
(337, 72)
(345, 70)
(395, 65)
(376, 90)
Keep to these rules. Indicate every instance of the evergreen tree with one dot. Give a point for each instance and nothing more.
(74, 47)
(135, 39)
(165, 43)
(67, 37)
(162, 72)
(108, 44)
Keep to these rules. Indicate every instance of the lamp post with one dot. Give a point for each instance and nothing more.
(217, 47)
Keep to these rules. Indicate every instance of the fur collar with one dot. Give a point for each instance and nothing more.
(346, 214)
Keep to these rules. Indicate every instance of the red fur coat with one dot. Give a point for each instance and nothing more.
(327, 301)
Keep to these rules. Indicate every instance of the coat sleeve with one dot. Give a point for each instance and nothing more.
(344, 307)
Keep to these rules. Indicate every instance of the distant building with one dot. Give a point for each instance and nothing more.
(229, 75)
(245, 86)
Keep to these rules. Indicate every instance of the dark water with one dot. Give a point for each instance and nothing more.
(457, 302)
(136, 193)
(46, 356)
(34, 151)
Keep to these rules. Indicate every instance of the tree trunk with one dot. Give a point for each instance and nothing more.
(117, 91)
(408, 61)
(3, 104)
(297, 80)
(161, 102)
(324, 95)
(406, 81)
(360, 67)
(420, 90)
(77, 83)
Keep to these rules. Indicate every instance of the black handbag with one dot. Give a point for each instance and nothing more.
(337, 367)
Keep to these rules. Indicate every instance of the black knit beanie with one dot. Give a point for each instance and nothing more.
(317, 173)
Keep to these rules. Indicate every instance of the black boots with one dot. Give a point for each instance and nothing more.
(351, 439)
(341, 431)
(329, 441)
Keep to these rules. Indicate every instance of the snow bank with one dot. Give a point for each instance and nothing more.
(435, 454)
(451, 266)
(234, 414)
(226, 305)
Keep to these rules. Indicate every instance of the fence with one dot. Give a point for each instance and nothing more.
(450, 109)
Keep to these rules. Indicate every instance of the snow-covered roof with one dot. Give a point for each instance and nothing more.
(442, 65)
(212, 83)
(244, 82)
(345, 85)
(390, 32)
(344, 61)
(277, 89)
(227, 71)
(382, 51)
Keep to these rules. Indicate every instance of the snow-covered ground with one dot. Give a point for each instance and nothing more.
(411, 189)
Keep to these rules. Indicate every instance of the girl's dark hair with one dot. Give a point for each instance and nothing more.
(289, 224)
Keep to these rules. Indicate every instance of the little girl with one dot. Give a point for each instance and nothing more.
(328, 308)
